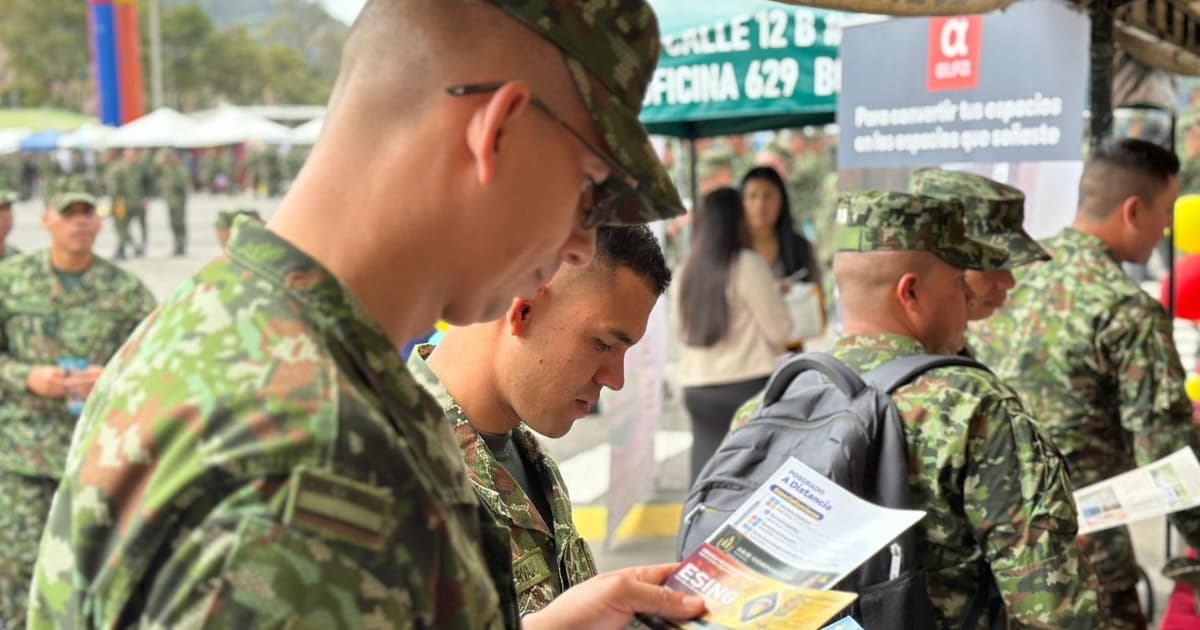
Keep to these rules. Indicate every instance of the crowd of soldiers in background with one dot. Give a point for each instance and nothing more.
(226, 170)
(130, 177)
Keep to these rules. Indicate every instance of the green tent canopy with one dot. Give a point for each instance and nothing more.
(42, 119)
(737, 67)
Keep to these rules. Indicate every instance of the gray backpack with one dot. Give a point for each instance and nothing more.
(845, 427)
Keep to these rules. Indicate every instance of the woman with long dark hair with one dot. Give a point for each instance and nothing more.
(730, 314)
(769, 220)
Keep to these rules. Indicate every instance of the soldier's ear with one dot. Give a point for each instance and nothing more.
(489, 122)
(518, 316)
(906, 291)
(1129, 210)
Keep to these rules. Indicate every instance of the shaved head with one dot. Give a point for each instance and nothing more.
(1123, 168)
(867, 280)
(401, 55)
(912, 294)
(486, 169)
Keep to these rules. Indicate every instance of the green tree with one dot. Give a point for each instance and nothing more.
(48, 55)
(233, 66)
(291, 80)
(186, 31)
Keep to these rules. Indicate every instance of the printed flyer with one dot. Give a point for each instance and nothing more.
(772, 563)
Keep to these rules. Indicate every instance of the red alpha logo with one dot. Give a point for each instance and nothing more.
(954, 53)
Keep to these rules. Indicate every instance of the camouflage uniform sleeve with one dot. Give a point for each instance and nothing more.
(274, 576)
(1155, 410)
(1019, 504)
(13, 373)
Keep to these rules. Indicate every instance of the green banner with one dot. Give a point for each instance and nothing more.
(735, 67)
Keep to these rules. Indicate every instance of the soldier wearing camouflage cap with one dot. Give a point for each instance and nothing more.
(174, 181)
(988, 544)
(995, 214)
(1093, 355)
(7, 199)
(63, 314)
(279, 466)
(125, 185)
(876, 221)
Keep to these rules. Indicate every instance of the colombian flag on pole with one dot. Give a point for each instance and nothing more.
(116, 60)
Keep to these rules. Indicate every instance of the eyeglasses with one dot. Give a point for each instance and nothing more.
(601, 199)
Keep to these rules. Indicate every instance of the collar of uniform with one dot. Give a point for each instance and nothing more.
(277, 260)
(85, 278)
(427, 379)
(495, 487)
(560, 501)
(888, 342)
(1081, 241)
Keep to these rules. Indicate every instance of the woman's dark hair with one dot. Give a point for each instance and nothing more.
(794, 250)
(718, 234)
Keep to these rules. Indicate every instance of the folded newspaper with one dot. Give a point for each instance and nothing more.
(1161, 487)
(772, 563)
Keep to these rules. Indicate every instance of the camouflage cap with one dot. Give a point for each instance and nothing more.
(62, 201)
(714, 159)
(872, 221)
(995, 212)
(7, 198)
(225, 217)
(611, 48)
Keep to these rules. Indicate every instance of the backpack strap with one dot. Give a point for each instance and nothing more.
(899, 372)
(987, 604)
(837, 372)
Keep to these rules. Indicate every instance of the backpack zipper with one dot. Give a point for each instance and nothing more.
(897, 559)
(692, 513)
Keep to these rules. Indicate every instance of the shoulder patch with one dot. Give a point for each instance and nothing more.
(336, 507)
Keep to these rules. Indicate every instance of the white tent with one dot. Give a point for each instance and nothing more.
(89, 136)
(161, 128)
(307, 133)
(10, 139)
(234, 125)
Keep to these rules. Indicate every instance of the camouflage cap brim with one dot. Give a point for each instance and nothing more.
(66, 200)
(959, 252)
(629, 145)
(969, 253)
(1022, 249)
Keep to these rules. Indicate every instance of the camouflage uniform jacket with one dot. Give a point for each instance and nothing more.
(1094, 358)
(257, 456)
(40, 323)
(534, 548)
(125, 183)
(173, 182)
(995, 490)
